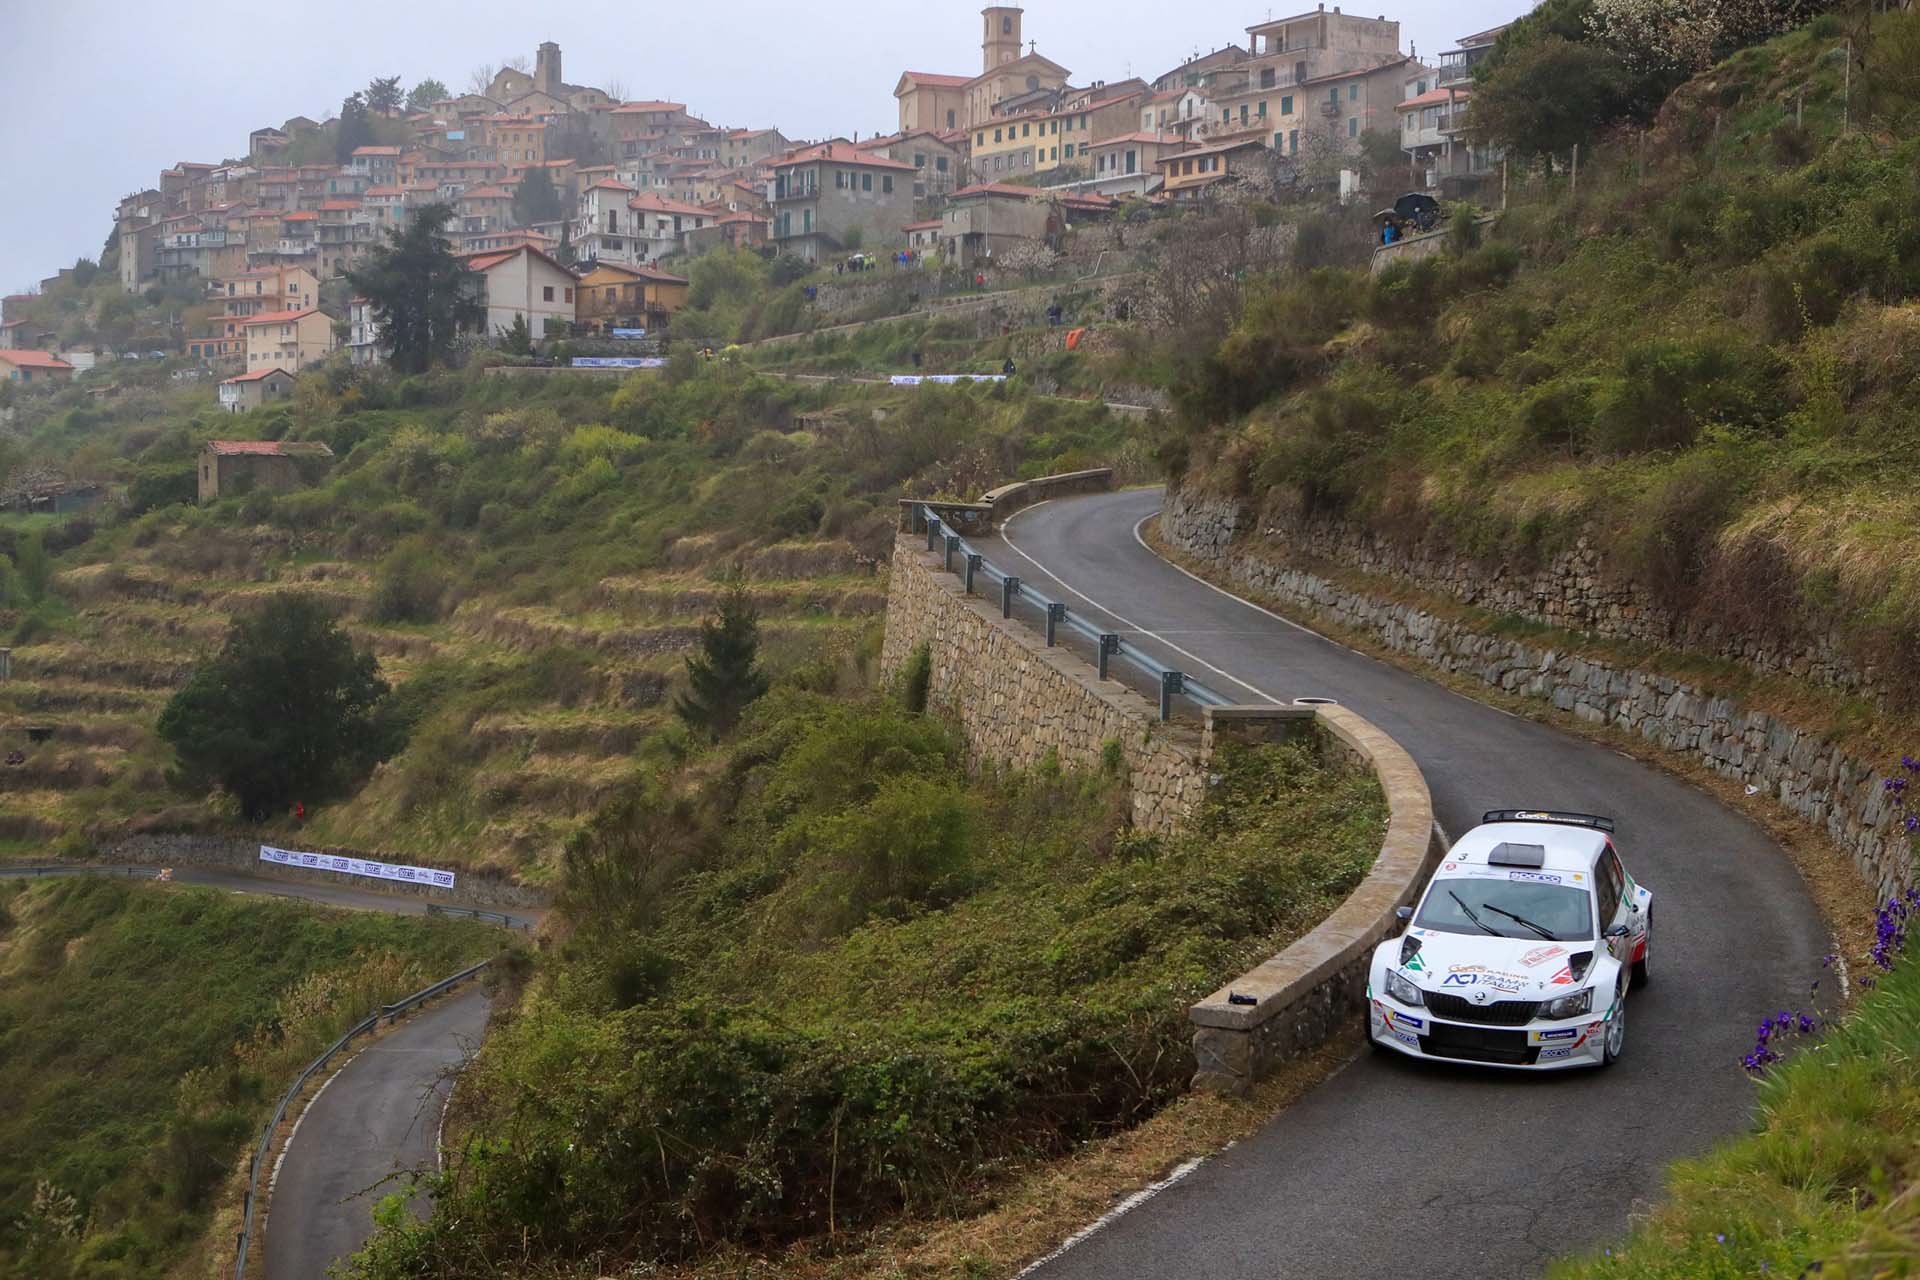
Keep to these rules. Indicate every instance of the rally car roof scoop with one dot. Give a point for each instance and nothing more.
(1517, 855)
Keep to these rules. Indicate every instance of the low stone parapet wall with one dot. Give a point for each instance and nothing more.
(232, 853)
(1301, 996)
(1804, 772)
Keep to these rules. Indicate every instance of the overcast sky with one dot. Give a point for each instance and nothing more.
(103, 94)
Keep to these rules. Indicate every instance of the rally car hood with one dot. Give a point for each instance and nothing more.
(1508, 968)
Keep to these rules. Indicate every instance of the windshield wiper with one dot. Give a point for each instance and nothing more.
(1476, 919)
(1523, 922)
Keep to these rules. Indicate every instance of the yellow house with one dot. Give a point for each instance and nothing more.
(289, 340)
(612, 296)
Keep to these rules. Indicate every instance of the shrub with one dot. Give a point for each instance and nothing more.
(915, 679)
(1669, 390)
(409, 587)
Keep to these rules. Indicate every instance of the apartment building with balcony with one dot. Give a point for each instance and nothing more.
(1433, 119)
(821, 194)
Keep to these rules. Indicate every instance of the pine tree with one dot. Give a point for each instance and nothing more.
(725, 676)
(421, 294)
(384, 95)
(563, 252)
(535, 199)
(355, 130)
(518, 339)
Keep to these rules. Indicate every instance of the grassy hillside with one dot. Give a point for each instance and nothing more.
(145, 1031)
(1705, 360)
(820, 977)
(528, 559)
(1828, 1184)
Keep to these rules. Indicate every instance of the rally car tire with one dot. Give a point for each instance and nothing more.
(1613, 1044)
(1641, 975)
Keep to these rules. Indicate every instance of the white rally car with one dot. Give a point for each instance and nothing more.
(1521, 951)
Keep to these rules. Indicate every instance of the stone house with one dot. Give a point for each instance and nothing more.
(823, 195)
(289, 340)
(938, 159)
(615, 296)
(33, 368)
(247, 391)
(985, 221)
(524, 282)
(744, 148)
(232, 467)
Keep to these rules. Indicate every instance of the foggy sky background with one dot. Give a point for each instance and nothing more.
(103, 94)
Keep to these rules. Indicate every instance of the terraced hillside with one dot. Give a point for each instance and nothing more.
(529, 561)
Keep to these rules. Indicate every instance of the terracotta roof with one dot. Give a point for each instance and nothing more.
(339, 206)
(488, 259)
(608, 184)
(35, 360)
(488, 193)
(376, 151)
(304, 215)
(644, 273)
(637, 107)
(1435, 97)
(937, 81)
(383, 190)
(268, 448)
(841, 153)
(923, 226)
(651, 203)
(11, 324)
(255, 376)
(279, 317)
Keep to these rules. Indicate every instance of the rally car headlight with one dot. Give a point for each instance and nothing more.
(1571, 1006)
(1402, 990)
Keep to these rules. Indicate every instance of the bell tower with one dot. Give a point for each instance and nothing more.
(1002, 42)
(546, 69)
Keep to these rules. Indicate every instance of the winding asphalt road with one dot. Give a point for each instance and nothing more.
(1396, 1167)
(377, 1117)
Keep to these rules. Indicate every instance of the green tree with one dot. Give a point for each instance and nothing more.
(536, 199)
(518, 339)
(384, 95)
(563, 252)
(425, 94)
(288, 710)
(35, 568)
(422, 295)
(1550, 94)
(355, 130)
(724, 678)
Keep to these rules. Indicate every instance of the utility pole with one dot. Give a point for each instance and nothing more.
(1573, 188)
(1846, 94)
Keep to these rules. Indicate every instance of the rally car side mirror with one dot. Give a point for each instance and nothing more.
(1403, 914)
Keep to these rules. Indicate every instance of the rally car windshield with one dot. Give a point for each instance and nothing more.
(1507, 908)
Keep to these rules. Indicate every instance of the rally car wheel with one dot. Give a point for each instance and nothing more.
(1641, 976)
(1615, 1043)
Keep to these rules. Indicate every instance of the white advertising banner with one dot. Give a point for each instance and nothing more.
(944, 379)
(358, 867)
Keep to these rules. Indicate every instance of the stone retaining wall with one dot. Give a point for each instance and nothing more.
(1806, 774)
(1573, 591)
(231, 853)
(1016, 700)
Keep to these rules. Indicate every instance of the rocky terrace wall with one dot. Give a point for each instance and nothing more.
(1813, 778)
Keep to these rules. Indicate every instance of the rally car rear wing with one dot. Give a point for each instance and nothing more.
(1593, 820)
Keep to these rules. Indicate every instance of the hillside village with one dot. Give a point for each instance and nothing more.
(577, 211)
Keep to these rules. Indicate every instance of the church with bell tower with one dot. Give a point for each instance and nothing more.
(943, 103)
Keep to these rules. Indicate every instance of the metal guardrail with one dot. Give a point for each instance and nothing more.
(390, 1012)
(1109, 646)
(138, 873)
(475, 913)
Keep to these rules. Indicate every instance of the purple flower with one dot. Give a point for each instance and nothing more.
(1720, 1237)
